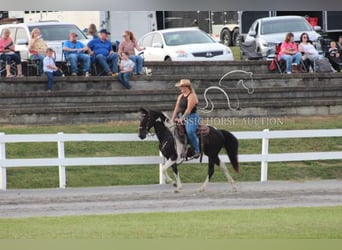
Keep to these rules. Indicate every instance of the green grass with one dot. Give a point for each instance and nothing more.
(128, 175)
(285, 223)
(236, 53)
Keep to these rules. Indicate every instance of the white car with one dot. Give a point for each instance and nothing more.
(269, 31)
(53, 33)
(183, 44)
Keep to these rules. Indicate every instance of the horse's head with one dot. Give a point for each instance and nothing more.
(148, 120)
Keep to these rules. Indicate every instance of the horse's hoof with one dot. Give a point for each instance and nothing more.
(202, 190)
(234, 190)
(174, 184)
(177, 191)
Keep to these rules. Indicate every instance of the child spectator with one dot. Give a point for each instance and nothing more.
(126, 69)
(50, 68)
(335, 56)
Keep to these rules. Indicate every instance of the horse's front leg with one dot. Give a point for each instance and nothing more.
(165, 167)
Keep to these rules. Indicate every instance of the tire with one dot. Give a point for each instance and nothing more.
(226, 37)
(236, 37)
(168, 59)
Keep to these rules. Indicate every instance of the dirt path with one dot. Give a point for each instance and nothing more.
(160, 198)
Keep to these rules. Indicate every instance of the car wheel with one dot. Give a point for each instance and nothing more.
(226, 37)
(167, 59)
(236, 39)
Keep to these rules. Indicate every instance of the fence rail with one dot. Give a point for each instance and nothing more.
(62, 162)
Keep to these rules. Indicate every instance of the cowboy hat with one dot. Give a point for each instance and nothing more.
(183, 83)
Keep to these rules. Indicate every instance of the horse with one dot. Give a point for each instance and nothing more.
(171, 147)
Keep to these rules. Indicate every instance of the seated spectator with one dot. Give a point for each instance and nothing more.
(74, 51)
(8, 53)
(307, 49)
(92, 31)
(129, 44)
(289, 53)
(102, 52)
(50, 68)
(37, 47)
(335, 56)
(339, 43)
(126, 69)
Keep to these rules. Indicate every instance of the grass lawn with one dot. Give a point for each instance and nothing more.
(285, 223)
(126, 175)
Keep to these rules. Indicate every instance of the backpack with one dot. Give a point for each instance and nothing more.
(323, 65)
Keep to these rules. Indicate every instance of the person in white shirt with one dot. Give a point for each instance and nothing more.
(126, 69)
(306, 47)
(50, 68)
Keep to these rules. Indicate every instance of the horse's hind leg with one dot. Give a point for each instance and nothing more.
(178, 183)
(211, 170)
(226, 173)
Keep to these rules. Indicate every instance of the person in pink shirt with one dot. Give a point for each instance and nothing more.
(129, 44)
(7, 52)
(289, 53)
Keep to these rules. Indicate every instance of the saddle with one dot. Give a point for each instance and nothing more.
(189, 152)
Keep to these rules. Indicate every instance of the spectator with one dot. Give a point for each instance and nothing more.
(339, 43)
(308, 51)
(50, 68)
(289, 52)
(334, 56)
(74, 52)
(129, 44)
(92, 31)
(126, 69)
(37, 47)
(7, 52)
(101, 50)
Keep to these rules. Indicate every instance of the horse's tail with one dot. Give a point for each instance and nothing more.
(231, 144)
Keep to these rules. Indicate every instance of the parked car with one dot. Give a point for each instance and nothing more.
(53, 33)
(269, 31)
(183, 44)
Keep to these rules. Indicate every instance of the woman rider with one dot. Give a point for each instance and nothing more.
(185, 112)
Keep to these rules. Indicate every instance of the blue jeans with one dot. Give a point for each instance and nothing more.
(83, 58)
(104, 60)
(50, 76)
(124, 79)
(138, 61)
(291, 59)
(191, 124)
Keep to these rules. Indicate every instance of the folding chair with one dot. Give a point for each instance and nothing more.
(248, 51)
(33, 62)
(13, 66)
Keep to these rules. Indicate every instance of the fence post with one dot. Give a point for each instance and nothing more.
(161, 175)
(3, 174)
(264, 153)
(61, 168)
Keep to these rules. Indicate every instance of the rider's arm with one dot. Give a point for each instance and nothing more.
(175, 111)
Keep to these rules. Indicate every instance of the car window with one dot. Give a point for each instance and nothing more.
(157, 39)
(21, 35)
(284, 26)
(58, 32)
(186, 37)
(257, 28)
(147, 41)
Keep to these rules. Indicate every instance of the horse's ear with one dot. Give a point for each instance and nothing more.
(143, 110)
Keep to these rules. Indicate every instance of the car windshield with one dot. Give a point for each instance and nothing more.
(58, 32)
(284, 26)
(186, 37)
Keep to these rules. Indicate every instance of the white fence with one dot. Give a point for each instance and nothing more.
(62, 162)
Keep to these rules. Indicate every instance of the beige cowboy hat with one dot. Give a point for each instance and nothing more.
(183, 83)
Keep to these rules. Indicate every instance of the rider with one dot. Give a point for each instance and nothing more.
(185, 112)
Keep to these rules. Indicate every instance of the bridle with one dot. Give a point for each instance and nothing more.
(148, 133)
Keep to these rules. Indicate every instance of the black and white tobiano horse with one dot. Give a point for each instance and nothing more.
(172, 148)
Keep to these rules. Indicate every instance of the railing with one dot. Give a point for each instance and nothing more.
(62, 162)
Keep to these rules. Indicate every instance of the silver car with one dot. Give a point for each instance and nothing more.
(269, 31)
